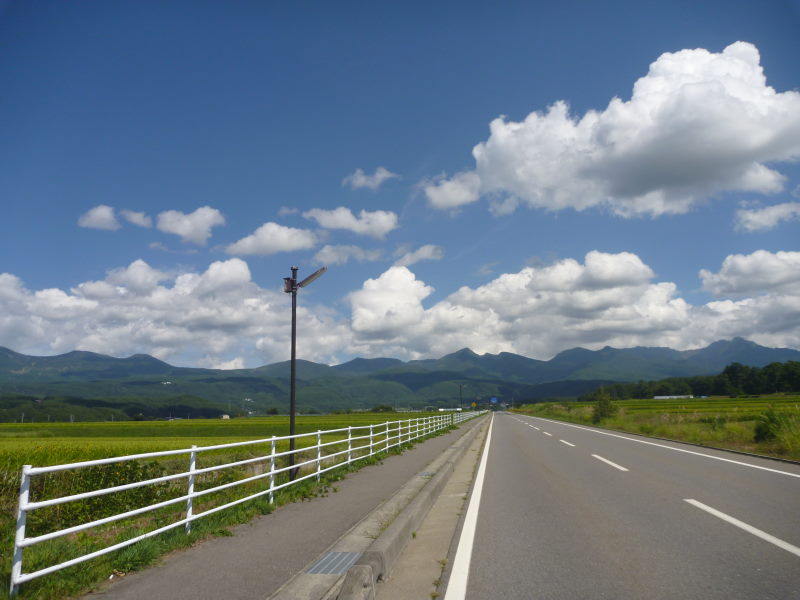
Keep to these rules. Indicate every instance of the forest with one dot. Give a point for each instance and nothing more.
(735, 380)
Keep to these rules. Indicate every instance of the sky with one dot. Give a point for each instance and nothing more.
(521, 177)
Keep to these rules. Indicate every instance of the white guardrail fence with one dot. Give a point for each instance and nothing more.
(333, 449)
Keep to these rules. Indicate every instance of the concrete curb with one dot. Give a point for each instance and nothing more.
(377, 561)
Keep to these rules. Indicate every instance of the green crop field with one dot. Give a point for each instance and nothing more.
(42, 444)
(767, 425)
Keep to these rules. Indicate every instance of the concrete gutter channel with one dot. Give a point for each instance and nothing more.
(366, 554)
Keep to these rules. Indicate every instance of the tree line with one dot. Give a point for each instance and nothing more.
(735, 380)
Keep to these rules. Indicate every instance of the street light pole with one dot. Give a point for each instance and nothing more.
(293, 374)
(290, 286)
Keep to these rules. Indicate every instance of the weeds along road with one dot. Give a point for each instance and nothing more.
(568, 511)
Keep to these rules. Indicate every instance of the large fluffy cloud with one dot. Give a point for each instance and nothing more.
(219, 317)
(194, 227)
(608, 299)
(376, 223)
(271, 238)
(698, 124)
(757, 273)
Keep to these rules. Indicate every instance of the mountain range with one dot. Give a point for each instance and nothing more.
(362, 383)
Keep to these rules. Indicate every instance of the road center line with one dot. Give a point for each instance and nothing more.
(550, 434)
(457, 585)
(748, 528)
(536, 428)
(608, 462)
(567, 443)
(624, 437)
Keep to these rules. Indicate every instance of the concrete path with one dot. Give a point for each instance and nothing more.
(265, 553)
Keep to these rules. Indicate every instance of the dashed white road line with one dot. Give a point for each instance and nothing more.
(748, 528)
(457, 585)
(536, 428)
(567, 443)
(550, 434)
(608, 462)
(683, 450)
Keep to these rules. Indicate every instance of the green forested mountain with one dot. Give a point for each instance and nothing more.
(145, 387)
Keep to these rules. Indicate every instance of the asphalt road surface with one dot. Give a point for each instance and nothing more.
(568, 511)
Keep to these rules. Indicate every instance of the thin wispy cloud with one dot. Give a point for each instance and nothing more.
(359, 179)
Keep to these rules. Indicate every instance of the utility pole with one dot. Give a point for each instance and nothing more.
(290, 286)
(461, 387)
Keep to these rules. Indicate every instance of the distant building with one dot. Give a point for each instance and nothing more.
(673, 397)
(224, 416)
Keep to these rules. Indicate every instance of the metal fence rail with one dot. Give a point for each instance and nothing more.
(329, 449)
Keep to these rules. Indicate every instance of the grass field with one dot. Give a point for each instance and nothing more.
(723, 422)
(43, 444)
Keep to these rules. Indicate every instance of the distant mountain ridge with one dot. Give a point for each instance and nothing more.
(619, 364)
(363, 383)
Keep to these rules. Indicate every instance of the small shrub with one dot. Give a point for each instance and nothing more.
(603, 408)
(768, 426)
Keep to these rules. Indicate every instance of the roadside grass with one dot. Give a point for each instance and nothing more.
(730, 423)
(41, 445)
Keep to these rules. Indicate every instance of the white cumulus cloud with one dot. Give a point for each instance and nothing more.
(359, 179)
(373, 223)
(449, 194)
(218, 317)
(99, 217)
(762, 219)
(608, 299)
(759, 272)
(385, 306)
(271, 238)
(194, 227)
(698, 124)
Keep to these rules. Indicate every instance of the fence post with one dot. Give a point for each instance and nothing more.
(370, 439)
(192, 468)
(387, 435)
(349, 443)
(272, 471)
(22, 515)
(319, 452)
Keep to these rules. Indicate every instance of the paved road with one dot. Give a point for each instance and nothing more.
(559, 518)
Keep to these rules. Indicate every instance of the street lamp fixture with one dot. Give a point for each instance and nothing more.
(290, 286)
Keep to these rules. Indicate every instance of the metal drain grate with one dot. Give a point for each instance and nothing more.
(334, 563)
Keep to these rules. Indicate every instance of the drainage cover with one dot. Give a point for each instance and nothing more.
(334, 563)
(426, 474)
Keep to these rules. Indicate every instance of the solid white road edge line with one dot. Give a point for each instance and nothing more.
(748, 528)
(608, 462)
(567, 443)
(623, 437)
(457, 586)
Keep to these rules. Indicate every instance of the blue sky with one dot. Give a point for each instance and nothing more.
(473, 175)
